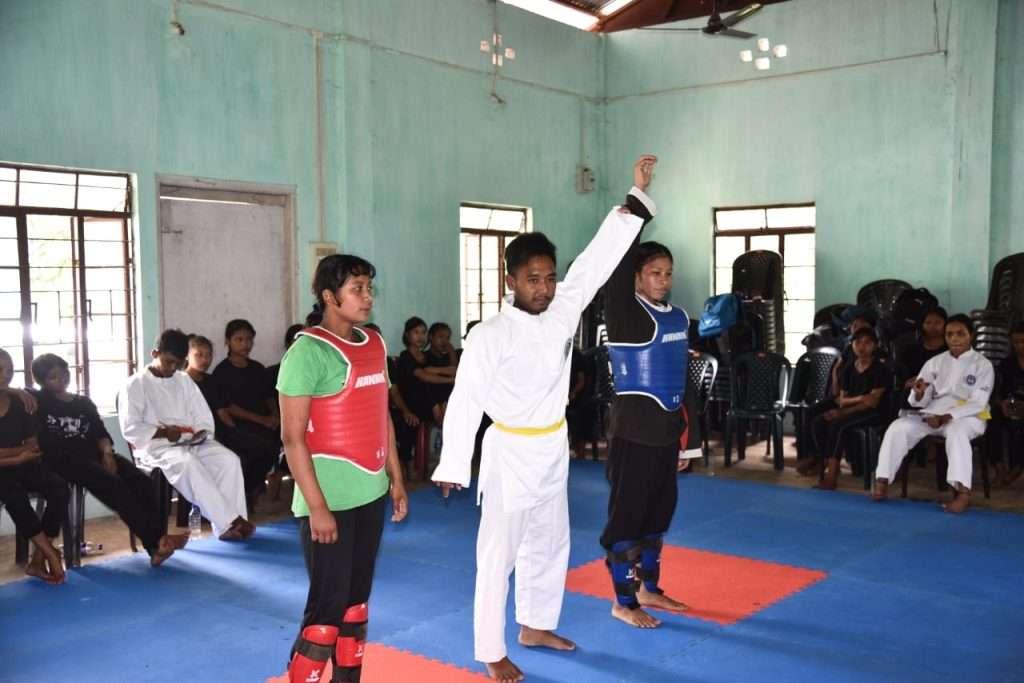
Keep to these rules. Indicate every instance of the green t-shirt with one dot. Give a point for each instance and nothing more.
(312, 368)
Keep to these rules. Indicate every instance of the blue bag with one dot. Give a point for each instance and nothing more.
(720, 313)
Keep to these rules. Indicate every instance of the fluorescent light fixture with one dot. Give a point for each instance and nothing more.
(763, 63)
(614, 6)
(780, 51)
(746, 56)
(763, 44)
(556, 11)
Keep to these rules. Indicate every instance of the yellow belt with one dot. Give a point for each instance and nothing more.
(531, 431)
(983, 415)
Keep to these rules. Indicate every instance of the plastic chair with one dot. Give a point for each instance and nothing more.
(1007, 290)
(701, 371)
(759, 387)
(881, 295)
(867, 438)
(808, 387)
(71, 528)
(992, 333)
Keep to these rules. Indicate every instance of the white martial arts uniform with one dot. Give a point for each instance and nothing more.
(207, 474)
(516, 368)
(956, 386)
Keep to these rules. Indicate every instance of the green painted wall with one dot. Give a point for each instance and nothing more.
(408, 126)
(893, 116)
(1008, 140)
(881, 114)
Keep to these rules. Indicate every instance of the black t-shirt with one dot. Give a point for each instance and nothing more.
(245, 387)
(635, 418)
(914, 357)
(16, 425)
(272, 373)
(436, 360)
(407, 366)
(213, 392)
(855, 383)
(69, 428)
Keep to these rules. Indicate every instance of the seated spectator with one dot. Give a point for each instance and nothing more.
(862, 319)
(442, 358)
(77, 446)
(417, 379)
(1008, 413)
(952, 393)
(166, 420)
(256, 455)
(22, 472)
(862, 385)
(931, 341)
(405, 421)
(251, 401)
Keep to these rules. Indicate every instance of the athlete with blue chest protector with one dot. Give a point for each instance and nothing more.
(649, 350)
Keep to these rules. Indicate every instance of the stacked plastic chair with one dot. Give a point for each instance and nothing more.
(1007, 290)
(757, 280)
(992, 333)
(881, 296)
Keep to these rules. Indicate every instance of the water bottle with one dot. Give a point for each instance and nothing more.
(195, 523)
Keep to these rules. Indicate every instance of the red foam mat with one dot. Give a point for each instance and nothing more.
(383, 664)
(717, 587)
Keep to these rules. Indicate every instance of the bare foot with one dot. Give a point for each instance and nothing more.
(960, 502)
(247, 528)
(531, 637)
(659, 601)
(634, 617)
(166, 547)
(46, 564)
(881, 491)
(504, 671)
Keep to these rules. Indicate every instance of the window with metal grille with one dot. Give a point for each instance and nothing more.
(787, 230)
(66, 275)
(484, 231)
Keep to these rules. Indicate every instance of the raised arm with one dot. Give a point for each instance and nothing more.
(620, 290)
(592, 268)
(465, 409)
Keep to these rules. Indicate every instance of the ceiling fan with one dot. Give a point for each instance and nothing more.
(718, 26)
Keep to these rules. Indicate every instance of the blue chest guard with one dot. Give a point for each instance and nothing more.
(656, 368)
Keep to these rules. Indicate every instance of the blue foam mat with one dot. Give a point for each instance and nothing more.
(912, 594)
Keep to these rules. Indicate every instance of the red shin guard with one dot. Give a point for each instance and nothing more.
(311, 654)
(352, 638)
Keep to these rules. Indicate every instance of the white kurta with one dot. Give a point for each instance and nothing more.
(208, 474)
(956, 386)
(516, 368)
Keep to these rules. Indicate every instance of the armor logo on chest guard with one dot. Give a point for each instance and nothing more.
(970, 379)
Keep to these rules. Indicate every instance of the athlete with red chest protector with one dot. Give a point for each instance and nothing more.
(340, 445)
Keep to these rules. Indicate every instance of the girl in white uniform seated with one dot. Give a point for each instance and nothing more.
(952, 393)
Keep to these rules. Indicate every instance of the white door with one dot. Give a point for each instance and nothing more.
(222, 260)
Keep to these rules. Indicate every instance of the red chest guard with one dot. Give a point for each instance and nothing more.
(352, 425)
